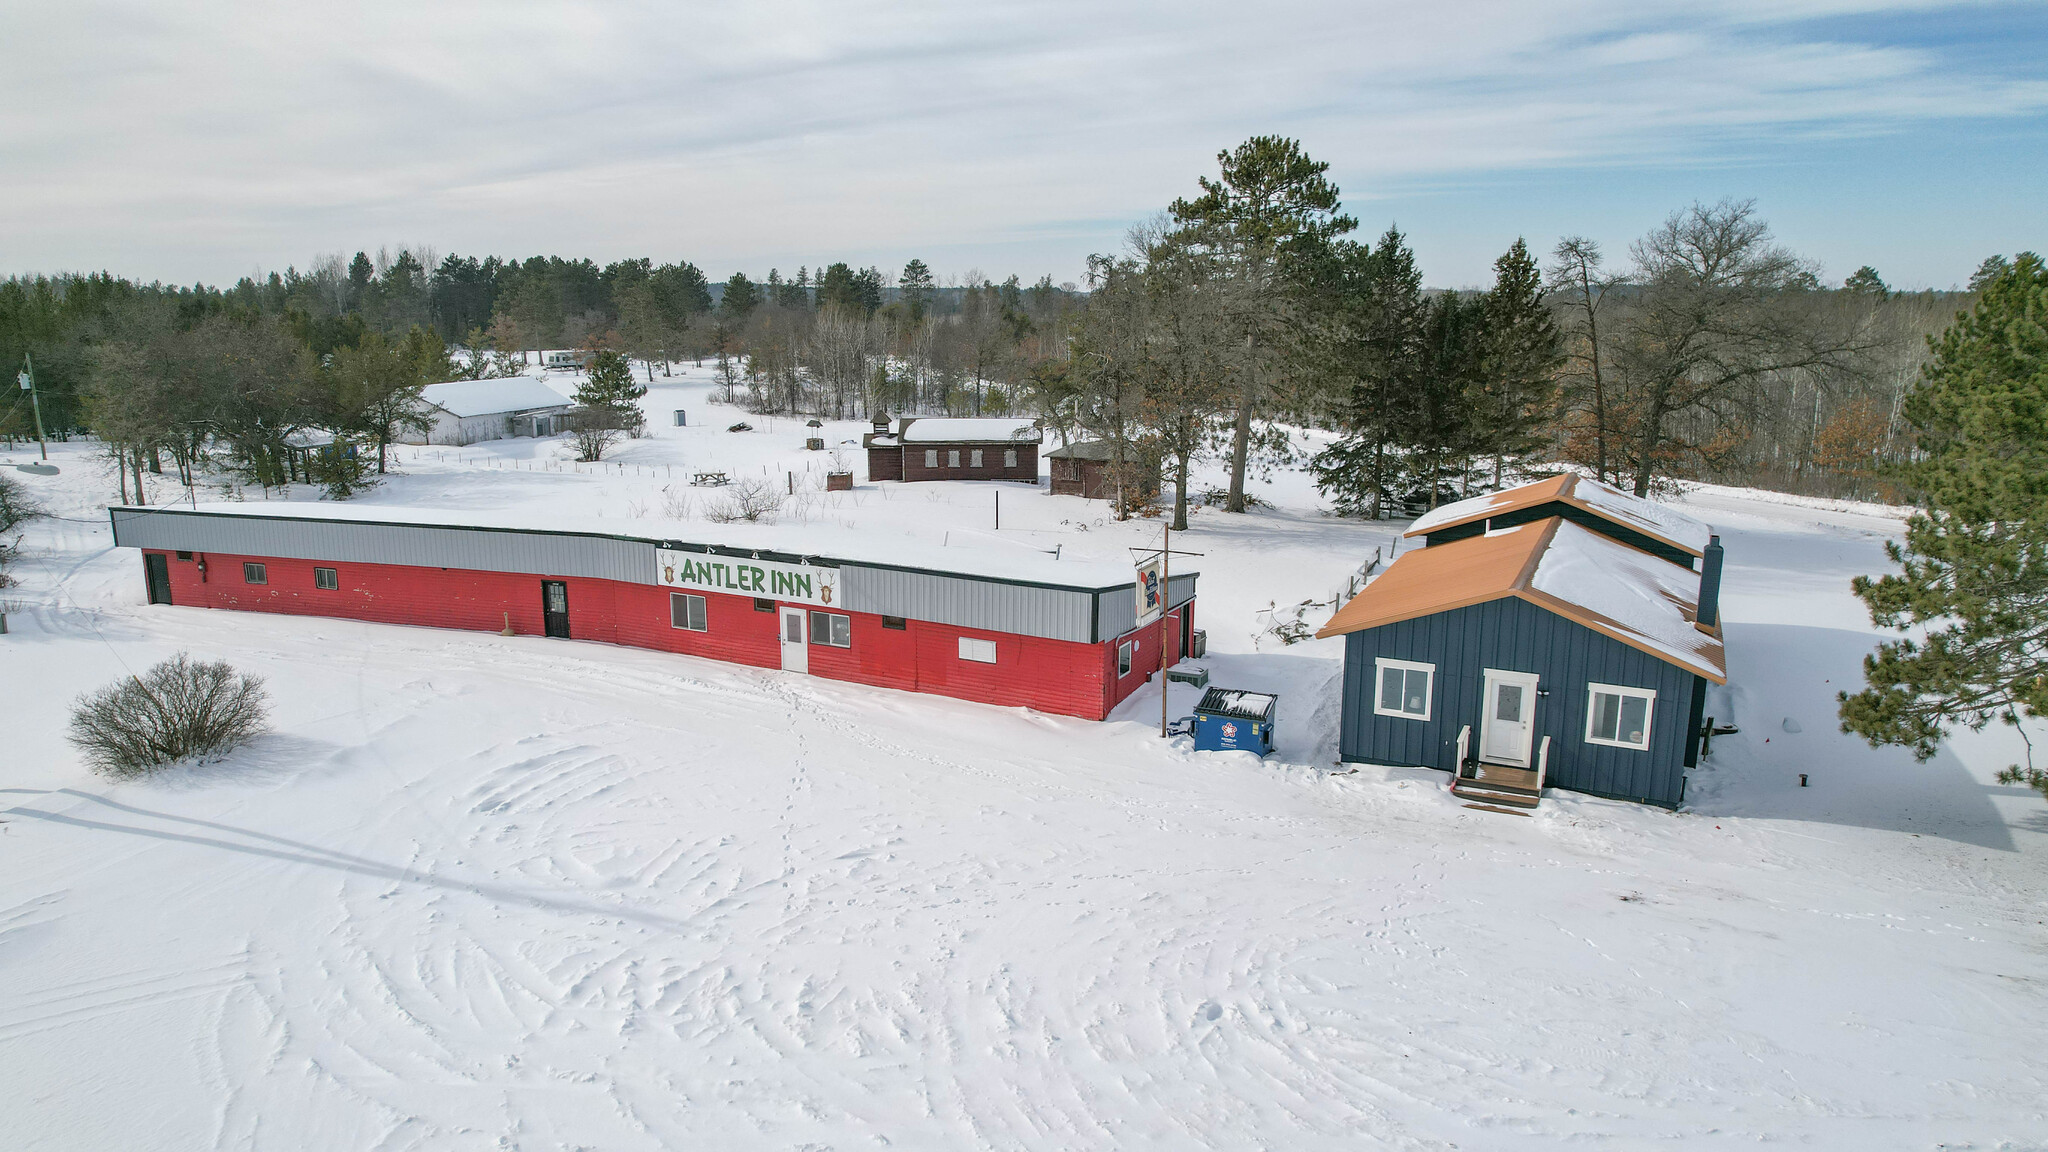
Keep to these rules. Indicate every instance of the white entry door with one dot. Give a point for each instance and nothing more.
(1507, 727)
(796, 655)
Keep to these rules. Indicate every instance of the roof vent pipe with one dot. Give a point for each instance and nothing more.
(1710, 585)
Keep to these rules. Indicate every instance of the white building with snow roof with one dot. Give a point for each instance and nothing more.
(470, 411)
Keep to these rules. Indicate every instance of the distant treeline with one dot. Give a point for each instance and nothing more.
(1240, 316)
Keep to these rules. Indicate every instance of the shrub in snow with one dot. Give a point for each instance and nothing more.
(16, 509)
(179, 709)
(750, 500)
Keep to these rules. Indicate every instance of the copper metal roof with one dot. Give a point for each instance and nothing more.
(1645, 602)
(1590, 496)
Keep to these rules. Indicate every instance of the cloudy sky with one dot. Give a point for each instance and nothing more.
(207, 141)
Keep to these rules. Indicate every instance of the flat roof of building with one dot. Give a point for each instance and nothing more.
(1622, 592)
(978, 556)
(463, 398)
(1603, 500)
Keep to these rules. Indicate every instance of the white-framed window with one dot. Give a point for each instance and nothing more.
(254, 573)
(974, 458)
(1406, 689)
(687, 611)
(832, 629)
(326, 579)
(1125, 652)
(1619, 717)
(931, 457)
(952, 457)
(1009, 457)
(979, 651)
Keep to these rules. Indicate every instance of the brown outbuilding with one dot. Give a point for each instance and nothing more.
(1087, 468)
(948, 448)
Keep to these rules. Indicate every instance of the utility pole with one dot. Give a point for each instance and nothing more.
(1165, 613)
(28, 385)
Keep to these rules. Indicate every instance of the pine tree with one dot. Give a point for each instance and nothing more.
(741, 298)
(1368, 345)
(1866, 282)
(611, 385)
(1975, 560)
(1519, 352)
(916, 285)
(607, 404)
(1268, 216)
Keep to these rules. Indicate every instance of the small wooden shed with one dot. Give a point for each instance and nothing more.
(1087, 468)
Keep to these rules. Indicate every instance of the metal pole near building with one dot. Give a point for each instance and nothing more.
(28, 385)
(1165, 610)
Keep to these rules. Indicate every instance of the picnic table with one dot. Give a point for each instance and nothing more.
(709, 480)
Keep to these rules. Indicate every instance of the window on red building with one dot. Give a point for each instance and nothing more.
(687, 612)
(832, 629)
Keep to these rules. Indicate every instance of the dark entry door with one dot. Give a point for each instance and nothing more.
(158, 574)
(554, 607)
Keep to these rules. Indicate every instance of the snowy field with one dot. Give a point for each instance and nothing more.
(488, 893)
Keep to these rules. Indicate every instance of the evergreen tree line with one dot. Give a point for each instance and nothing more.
(1714, 353)
(1243, 315)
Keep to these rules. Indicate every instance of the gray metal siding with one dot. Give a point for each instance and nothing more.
(962, 601)
(481, 549)
(1116, 610)
(1514, 635)
(1021, 609)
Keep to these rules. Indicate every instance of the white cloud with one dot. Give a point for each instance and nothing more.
(206, 140)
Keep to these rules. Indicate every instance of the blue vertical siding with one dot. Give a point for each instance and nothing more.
(1516, 636)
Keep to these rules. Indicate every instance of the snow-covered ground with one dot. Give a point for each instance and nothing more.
(478, 892)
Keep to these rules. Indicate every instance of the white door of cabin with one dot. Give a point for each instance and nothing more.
(1507, 727)
(796, 655)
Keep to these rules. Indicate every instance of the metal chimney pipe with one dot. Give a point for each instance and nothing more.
(1710, 584)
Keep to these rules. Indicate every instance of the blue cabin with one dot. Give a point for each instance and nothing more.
(1550, 652)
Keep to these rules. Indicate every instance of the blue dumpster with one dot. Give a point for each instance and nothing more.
(1232, 720)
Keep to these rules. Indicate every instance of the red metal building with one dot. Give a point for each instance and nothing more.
(1036, 638)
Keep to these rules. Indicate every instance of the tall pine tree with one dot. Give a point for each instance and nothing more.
(1975, 563)
(1519, 354)
(1367, 344)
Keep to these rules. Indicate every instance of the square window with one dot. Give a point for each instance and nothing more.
(931, 457)
(687, 612)
(832, 629)
(952, 457)
(1009, 457)
(1124, 652)
(896, 622)
(254, 574)
(974, 458)
(184, 555)
(979, 651)
(326, 578)
(1405, 689)
(761, 605)
(1619, 717)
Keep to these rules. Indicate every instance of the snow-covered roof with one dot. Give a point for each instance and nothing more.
(970, 430)
(1643, 601)
(484, 397)
(1093, 450)
(968, 554)
(1603, 500)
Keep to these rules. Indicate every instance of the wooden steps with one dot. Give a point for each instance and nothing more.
(1498, 784)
